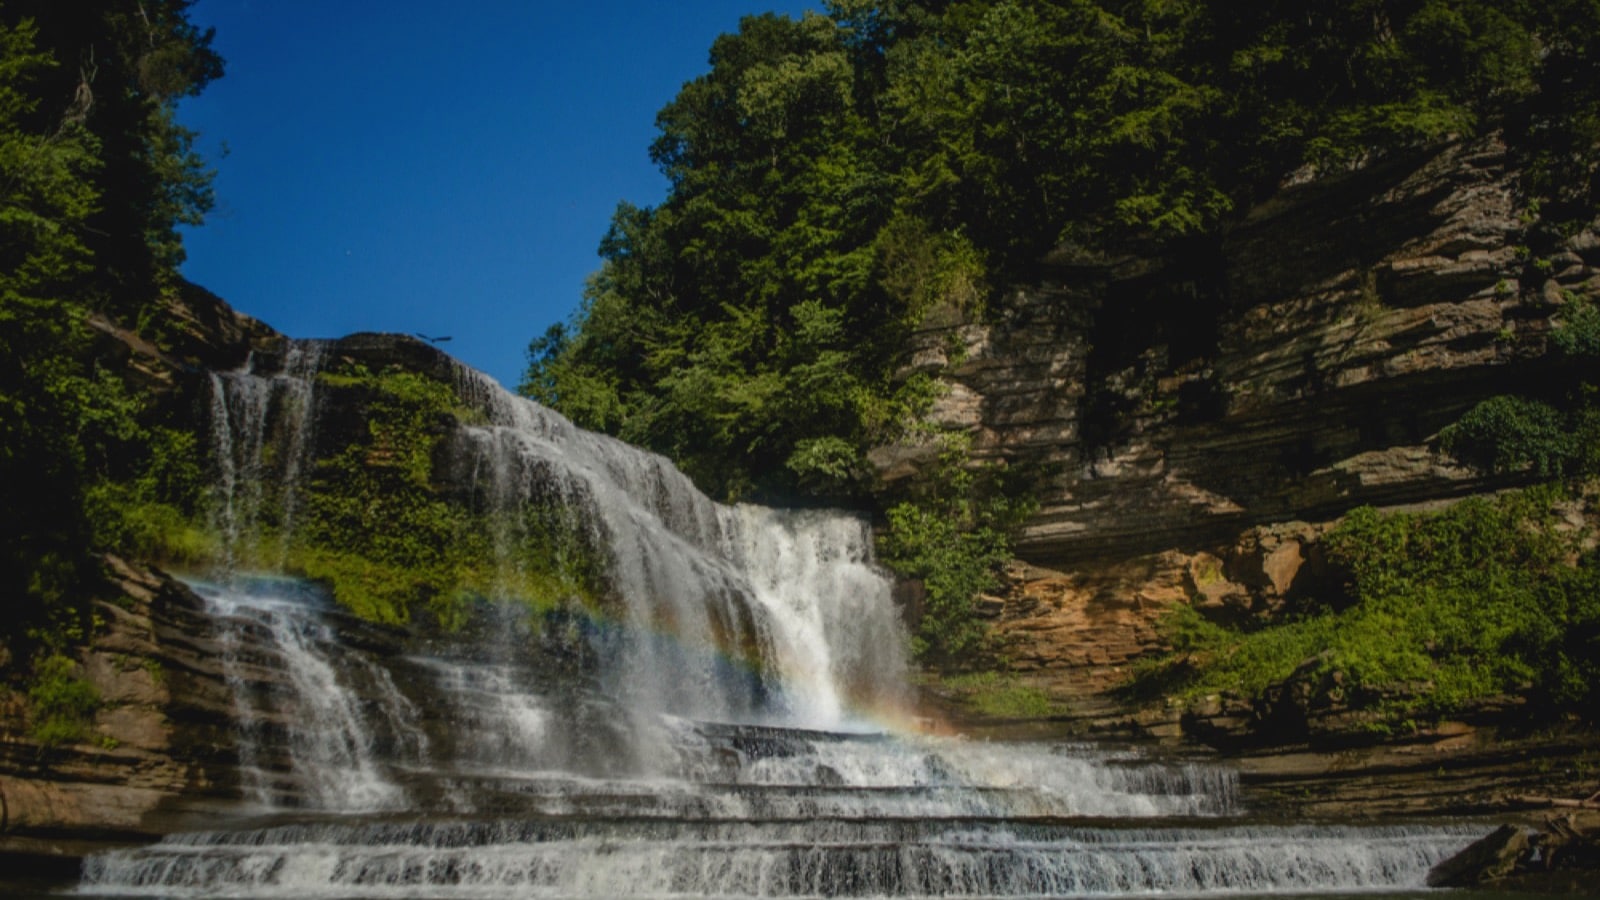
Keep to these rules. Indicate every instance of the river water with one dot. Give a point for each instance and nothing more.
(741, 728)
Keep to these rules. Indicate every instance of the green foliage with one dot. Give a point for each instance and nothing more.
(45, 198)
(94, 178)
(1440, 609)
(61, 704)
(1547, 439)
(1578, 337)
(1512, 434)
(836, 180)
(151, 508)
(122, 70)
(954, 539)
(995, 695)
(1556, 130)
(389, 543)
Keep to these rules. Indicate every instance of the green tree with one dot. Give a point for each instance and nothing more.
(48, 196)
(95, 176)
(725, 326)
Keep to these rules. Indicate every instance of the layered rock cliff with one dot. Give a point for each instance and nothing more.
(161, 747)
(1193, 420)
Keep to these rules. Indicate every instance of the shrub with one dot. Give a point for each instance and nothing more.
(1513, 434)
(1578, 336)
(1439, 608)
(954, 538)
(62, 703)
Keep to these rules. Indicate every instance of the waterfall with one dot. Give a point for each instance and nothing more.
(712, 730)
(290, 675)
(755, 614)
(718, 613)
(254, 408)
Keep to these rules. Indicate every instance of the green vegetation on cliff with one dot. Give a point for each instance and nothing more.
(1548, 436)
(369, 515)
(390, 543)
(953, 536)
(1441, 609)
(1438, 609)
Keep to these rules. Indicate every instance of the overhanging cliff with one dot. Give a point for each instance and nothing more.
(1298, 366)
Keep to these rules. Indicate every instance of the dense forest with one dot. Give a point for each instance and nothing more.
(96, 176)
(834, 178)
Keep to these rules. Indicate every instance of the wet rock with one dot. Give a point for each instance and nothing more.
(1488, 859)
(828, 776)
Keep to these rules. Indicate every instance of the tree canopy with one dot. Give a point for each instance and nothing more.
(833, 178)
(95, 177)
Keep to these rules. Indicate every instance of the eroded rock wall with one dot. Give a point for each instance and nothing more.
(1195, 421)
(1301, 366)
(161, 748)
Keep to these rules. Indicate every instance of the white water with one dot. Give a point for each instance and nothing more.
(676, 769)
(250, 411)
(329, 736)
(791, 598)
(783, 860)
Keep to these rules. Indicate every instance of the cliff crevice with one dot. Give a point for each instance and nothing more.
(1303, 371)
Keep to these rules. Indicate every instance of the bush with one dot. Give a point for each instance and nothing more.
(957, 559)
(1511, 434)
(1578, 336)
(955, 539)
(1442, 608)
(62, 703)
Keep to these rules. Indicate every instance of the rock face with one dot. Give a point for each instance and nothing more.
(1296, 369)
(161, 748)
(1488, 859)
(1195, 421)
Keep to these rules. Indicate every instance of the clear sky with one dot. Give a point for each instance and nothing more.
(439, 168)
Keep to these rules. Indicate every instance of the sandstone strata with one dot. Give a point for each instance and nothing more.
(161, 746)
(1300, 367)
(1194, 422)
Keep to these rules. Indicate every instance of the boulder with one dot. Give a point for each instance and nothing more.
(1487, 859)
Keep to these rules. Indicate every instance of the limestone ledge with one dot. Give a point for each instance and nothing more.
(1337, 329)
(161, 747)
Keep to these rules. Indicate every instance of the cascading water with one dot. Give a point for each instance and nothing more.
(272, 628)
(722, 745)
(251, 410)
(788, 600)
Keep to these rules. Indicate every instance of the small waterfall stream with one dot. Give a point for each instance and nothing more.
(291, 678)
(246, 405)
(731, 738)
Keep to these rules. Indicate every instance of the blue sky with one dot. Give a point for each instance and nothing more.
(444, 169)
